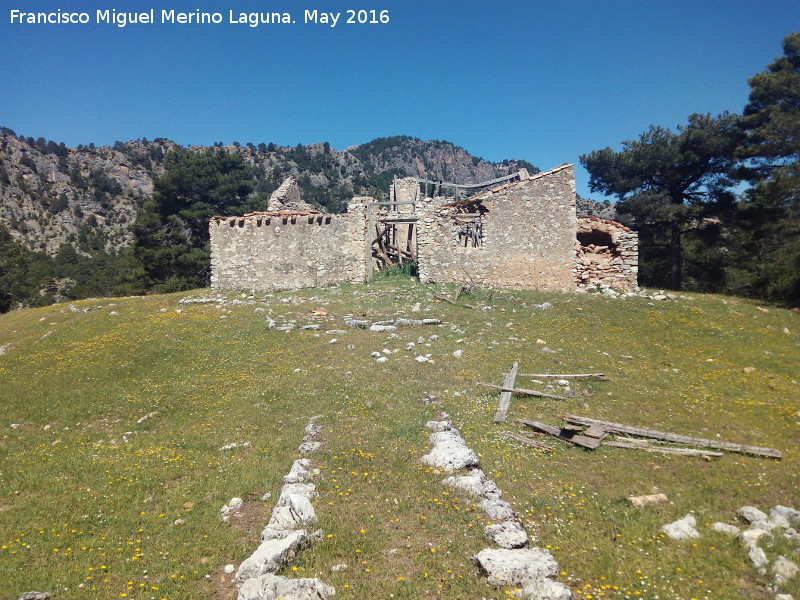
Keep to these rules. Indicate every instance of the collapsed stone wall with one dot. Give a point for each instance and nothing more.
(286, 250)
(523, 235)
(607, 255)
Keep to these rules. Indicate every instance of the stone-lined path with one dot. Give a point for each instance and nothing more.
(531, 570)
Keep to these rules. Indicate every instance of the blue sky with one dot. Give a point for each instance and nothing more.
(543, 81)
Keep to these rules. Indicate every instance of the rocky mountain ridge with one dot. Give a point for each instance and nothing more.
(88, 197)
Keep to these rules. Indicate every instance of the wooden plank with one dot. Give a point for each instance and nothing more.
(504, 388)
(674, 437)
(600, 376)
(631, 445)
(529, 441)
(563, 435)
(505, 396)
(596, 431)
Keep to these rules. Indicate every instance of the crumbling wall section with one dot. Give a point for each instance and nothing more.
(527, 237)
(607, 255)
(286, 251)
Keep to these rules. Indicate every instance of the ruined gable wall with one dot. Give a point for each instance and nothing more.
(528, 237)
(270, 253)
(607, 255)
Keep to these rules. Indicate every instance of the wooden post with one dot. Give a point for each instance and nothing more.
(505, 396)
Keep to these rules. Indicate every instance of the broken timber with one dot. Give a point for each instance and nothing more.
(647, 447)
(673, 437)
(505, 396)
(600, 376)
(446, 299)
(569, 436)
(504, 388)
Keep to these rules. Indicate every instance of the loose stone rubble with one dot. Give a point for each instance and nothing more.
(513, 564)
(285, 535)
(682, 529)
(781, 520)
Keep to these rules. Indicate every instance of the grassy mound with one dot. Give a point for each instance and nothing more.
(114, 413)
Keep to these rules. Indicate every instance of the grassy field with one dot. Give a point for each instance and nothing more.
(97, 502)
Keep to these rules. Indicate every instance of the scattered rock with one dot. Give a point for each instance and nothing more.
(458, 353)
(682, 529)
(543, 306)
(640, 501)
(545, 589)
(757, 557)
(784, 570)
(421, 359)
(751, 514)
(382, 328)
(231, 509)
(731, 530)
(357, 324)
(790, 514)
(749, 370)
(750, 537)
(340, 567)
(35, 596)
(235, 445)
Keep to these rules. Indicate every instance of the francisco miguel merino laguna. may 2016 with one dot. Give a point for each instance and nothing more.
(123, 18)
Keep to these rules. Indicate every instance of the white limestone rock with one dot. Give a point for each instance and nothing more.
(545, 589)
(440, 426)
(757, 557)
(272, 587)
(731, 530)
(231, 509)
(309, 490)
(751, 537)
(308, 447)
(299, 471)
(292, 512)
(497, 510)
(784, 570)
(682, 529)
(751, 514)
(270, 555)
(504, 567)
(450, 452)
(508, 534)
(382, 328)
(789, 514)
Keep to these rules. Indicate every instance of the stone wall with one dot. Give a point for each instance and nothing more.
(527, 235)
(607, 255)
(286, 250)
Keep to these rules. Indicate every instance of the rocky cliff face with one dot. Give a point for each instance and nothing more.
(89, 196)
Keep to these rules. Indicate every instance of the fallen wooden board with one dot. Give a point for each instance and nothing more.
(505, 396)
(530, 442)
(633, 445)
(564, 435)
(509, 389)
(674, 437)
(596, 431)
(444, 299)
(600, 376)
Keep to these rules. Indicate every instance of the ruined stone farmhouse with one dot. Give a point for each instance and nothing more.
(519, 231)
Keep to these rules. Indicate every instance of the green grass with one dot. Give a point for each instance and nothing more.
(84, 514)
